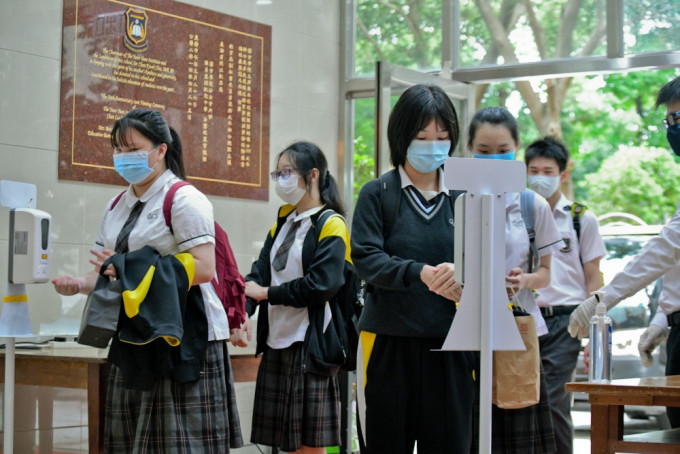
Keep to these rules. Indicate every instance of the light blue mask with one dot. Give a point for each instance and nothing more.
(133, 166)
(504, 156)
(428, 155)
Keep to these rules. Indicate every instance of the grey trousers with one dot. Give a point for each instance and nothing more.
(559, 353)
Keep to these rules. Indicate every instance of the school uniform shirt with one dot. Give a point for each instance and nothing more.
(192, 223)
(288, 324)
(567, 278)
(659, 257)
(548, 241)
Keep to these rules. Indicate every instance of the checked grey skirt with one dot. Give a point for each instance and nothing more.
(196, 417)
(293, 408)
(522, 431)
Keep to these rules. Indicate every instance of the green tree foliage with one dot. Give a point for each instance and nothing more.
(603, 113)
(597, 116)
(636, 180)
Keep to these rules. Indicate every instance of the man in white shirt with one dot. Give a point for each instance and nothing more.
(658, 258)
(575, 273)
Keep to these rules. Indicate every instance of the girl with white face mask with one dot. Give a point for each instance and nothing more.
(493, 134)
(291, 296)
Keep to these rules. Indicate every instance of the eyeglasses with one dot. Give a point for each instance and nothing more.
(283, 174)
(672, 120)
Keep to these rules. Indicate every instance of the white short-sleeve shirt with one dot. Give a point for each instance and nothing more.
(548, 241)
(567, 280)
(288, 324)
(192, 224)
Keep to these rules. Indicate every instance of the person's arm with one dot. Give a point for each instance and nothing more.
(659, 255)
(260, 275)
(538, 279)
(67, 285)
(371, 262)
(324, 275)
(204, 259)
(593, 275)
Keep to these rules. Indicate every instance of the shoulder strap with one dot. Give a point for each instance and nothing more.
(167, 202)
(390, 199)
(577, 210)
(117, 199)
(527, 208)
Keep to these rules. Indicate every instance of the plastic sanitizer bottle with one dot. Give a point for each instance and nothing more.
(600, 370)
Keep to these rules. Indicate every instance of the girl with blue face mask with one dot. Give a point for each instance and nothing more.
(199, 415)
(493, 134)
(409, 387)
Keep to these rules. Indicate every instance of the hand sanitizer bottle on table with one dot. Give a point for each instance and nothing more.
(600, 370)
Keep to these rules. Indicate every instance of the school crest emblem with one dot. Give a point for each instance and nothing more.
(136, 21)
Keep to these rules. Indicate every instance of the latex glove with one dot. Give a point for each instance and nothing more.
(649, 340)
(579, 322)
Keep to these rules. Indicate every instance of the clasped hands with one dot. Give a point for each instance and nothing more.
(439, 279)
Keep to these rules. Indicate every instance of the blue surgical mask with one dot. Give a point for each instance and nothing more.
(428, 155)
(133, 166)
(504, 156)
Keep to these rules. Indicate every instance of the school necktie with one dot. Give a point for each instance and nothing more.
(122, 240)
(281, 256)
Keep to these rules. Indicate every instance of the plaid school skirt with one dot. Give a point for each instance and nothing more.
(195, 417)
(526, 430)
(293, 408)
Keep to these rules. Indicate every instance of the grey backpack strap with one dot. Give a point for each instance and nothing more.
(527, 208)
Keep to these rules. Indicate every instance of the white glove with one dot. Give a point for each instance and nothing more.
(579, 322)
(649, 340)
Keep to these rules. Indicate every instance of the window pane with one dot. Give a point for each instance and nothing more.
(649, 26)
(406, 33)
(551, 29)
(364, 143)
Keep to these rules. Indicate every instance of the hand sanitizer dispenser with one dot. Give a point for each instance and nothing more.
(29, 246)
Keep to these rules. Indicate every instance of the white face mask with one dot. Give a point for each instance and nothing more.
(545, 186)
(288, 190)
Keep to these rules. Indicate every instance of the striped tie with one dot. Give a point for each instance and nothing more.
(281, 256)
(122, 240)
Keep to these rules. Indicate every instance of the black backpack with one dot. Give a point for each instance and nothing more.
(335, 348)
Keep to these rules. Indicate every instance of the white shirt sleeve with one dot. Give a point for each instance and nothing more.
(659, 255)
(591, 244)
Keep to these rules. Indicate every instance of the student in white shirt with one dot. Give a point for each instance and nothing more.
(493, 134)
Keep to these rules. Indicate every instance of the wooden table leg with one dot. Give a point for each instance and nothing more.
(97, 380)
(606, 425)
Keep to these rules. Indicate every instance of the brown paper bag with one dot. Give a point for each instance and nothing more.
(517, 374)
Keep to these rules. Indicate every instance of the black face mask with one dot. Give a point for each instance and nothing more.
(673, 136)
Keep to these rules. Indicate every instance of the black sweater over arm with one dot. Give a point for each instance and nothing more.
(399, 303)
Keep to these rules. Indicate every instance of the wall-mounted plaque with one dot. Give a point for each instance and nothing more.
(207, 73)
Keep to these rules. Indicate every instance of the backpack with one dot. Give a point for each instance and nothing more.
(349, 302)
(577, 210)
(334, 348)
(228, 282)
(527, 207)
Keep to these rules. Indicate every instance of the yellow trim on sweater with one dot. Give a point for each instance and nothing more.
(133, 298)
(366, 342)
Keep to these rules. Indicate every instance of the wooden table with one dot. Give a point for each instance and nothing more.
(87, 368)
(79, 368)
(606, 413)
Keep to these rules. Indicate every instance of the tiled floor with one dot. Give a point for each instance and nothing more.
(69, 421)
